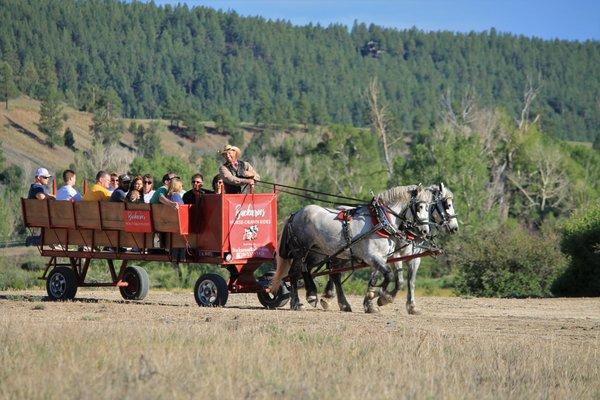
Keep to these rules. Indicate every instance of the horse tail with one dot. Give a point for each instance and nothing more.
(282, 258)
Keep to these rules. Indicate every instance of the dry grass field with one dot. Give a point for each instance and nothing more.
(166, 347)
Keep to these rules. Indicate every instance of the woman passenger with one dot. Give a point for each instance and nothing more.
(175, 191)
(135, 194)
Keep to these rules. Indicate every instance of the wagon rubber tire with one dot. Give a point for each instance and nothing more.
(271, 301)
(61, 284)
(211, 290)
(138, 283)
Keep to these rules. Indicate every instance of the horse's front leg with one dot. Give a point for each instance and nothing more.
(341, 297)
(294, 299)
(398, 284)
(374, 291)
(328, 292)
(413, 267)
(311, 288)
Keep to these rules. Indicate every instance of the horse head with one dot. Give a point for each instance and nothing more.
(419, 208)
(442, 208)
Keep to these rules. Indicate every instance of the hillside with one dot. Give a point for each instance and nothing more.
(162, 59)
(24, 145)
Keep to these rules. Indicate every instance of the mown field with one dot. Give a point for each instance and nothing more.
(99, 346)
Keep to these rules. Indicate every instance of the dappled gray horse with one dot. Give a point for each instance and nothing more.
(444, 217)
(315, 233)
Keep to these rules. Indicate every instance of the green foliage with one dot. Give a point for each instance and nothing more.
(160, 165)
(506, 262)
(147, 140)
(50, 118)
(596, 144)
(69, 138)
(225, 123)
(13, 277)
(581, 242)
(8, 89)
(13, 177)
(273, 72)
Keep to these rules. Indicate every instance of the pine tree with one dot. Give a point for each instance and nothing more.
(69, 138)
(51, 118)
(8, 89)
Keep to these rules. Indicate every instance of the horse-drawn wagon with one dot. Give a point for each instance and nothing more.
(235, 231)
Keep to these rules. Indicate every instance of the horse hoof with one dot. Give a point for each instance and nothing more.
(384, 299)
(412, 310)
(370, 308)
(345, 308)
(297, 307)
(312, 300)
(324, 304)
(328, 294)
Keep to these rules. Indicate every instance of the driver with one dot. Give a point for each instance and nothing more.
(238, 176)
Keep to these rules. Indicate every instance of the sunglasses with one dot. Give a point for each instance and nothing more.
(197, 182)
(114, 180)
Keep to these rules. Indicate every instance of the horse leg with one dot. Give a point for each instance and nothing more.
(294, 299)
(328, 293)
(341, 297)
(413, 267)
(372, 293)
(398, 282)
(311, 288)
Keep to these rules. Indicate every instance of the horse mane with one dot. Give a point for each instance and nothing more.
(446, 193)
(403, 194)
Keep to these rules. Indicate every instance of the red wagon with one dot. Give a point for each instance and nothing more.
(236, 231)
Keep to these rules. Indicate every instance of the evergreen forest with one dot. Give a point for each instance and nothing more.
(160, 60)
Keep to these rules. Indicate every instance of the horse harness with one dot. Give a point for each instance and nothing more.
(401, 235)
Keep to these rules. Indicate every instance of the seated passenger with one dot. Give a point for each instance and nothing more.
(119, 194)
(114, 182)
(136, 191)
(160, 194)
(39, 187)
(68, 192)
(238, 175)
(175, 190)
(194, 195)
(148, 187)
(99, 191)
(217, 184)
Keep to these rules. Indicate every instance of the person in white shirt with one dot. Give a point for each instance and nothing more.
(68, 192)
(148, 187)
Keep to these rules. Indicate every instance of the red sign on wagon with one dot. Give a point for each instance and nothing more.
(252, 226)
(137, 221)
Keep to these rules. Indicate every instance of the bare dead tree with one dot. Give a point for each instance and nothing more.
(529, 95)
(460, 119)
(547, 186)
(380, 122)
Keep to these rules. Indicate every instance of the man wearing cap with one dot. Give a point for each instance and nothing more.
(39, 189)
(119, 194)
(238, 176)
(160, 194)
(99, 191)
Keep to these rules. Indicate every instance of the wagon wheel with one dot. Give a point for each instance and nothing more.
(211, 291)
(61, 284)
(138, 283)
(270, 300)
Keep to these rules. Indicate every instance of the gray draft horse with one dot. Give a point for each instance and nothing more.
(314, 233)
(444, 217)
